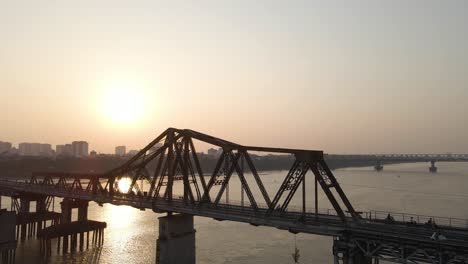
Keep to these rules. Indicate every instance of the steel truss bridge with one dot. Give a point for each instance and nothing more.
(166, 176)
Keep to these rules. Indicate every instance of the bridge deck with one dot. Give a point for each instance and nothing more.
(326, 224)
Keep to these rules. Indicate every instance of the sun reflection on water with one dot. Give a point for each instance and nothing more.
(120, 216)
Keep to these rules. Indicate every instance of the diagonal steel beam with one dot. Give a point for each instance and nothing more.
(157, 174)
(197, 165)
(190, 171)
(214, 175)
(184, 168)
(245, 185)
(328, 193)
(283, 186)
(257, 178)
(231, 168)
(340, 191)
(297, 179)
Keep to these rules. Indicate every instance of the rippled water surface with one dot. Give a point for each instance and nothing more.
(131, 234)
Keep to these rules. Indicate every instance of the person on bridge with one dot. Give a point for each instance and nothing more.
(390, 218)
(431, 222)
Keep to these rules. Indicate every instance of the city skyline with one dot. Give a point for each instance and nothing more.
(122, 150)
(361, 77)
(234, 131)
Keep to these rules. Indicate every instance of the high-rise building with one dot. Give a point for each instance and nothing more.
(45, 150)
(28, 149)
(5, 147)
(120, 150)
(64, 150)
(35, 149)
(60, 150)
(80, 148)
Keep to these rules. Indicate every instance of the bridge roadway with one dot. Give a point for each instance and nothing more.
(324, 223)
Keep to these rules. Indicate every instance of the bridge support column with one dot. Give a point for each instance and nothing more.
(40, 208)
(41, 205)
(66, 210)
(67, 205)
(433, 168)
(25, 205)
(378, 166)
(7, 237)
(83, 211)
(176, 242)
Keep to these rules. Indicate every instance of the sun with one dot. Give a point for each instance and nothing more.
(123, 105)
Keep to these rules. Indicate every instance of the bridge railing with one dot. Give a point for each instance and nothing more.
(414, 219)
(373, 215)
(406, 218)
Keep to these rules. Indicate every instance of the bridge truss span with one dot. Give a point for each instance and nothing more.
(169, 168)
(167, 176)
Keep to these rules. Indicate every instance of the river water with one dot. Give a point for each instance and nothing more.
(131, 234)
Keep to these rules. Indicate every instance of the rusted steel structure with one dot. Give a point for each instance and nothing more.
(177, 161)
(166, 176)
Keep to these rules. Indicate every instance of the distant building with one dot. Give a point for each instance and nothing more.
(80, 148)
(5, 147)
(212, 152)
(64, 150)
(120, 150)
(35, 149)
(12, 151)
(28, 149)
(45, 150)
(93, 154)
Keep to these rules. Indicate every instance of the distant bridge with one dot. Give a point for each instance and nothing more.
(170, 179)
(378, 160)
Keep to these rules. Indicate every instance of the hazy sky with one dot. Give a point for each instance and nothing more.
(342, 76)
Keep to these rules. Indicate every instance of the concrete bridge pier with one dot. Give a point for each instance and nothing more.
(25, 205)
(176, 242)
(67, 205)
(378, 166)
(30, 222)
(433, 168)
(41, 207)
(7, 236)
(72, 236)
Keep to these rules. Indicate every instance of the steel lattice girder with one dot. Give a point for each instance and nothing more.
(177, 159)
(399, 250)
